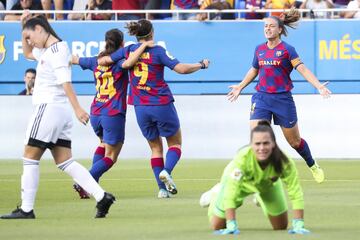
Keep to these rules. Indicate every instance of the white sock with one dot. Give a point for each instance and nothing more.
(29, 183)
(82, 177)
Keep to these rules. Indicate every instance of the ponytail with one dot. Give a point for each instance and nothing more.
(43, 22)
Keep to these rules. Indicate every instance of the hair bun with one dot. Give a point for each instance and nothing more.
(264, 123)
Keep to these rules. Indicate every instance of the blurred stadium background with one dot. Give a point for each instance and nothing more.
(213, 129)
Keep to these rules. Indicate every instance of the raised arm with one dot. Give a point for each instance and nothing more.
(134, 57)
(27, 48)
(186, 68)
(310, 77)
(236, 89)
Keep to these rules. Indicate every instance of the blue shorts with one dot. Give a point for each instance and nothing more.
(155, 121)
(111, 129)
(277, 106)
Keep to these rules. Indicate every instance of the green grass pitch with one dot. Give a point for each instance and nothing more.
(332, 209)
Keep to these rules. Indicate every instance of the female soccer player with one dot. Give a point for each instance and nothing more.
(258, 168)
(149, 93)
(51, 123)
(274, 61)
(108, 109)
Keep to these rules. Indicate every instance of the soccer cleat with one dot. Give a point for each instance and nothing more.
(18, 213)
(255, 199)
(169, 182)
(82, 193)
(206, 197)
(317, 173)
(104, 205)
(163, 193)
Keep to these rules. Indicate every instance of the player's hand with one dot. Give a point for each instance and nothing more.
(204, 63)
(82, 115)
(150, 43)
(104, 61)
(25, 16)
(324, 91)
(298, 227)
(231, 228)
(234, 93)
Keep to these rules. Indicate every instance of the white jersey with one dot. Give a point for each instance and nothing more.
(53, 69)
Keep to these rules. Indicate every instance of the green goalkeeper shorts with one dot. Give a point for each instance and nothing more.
(273, 201)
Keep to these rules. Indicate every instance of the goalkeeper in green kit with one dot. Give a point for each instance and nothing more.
(259, 168)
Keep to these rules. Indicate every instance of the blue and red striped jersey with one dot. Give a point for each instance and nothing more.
(111, 86)
(275, 66)
(147, 84)
(186, 4)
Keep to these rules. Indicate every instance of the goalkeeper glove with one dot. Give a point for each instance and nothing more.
(231, 228)
(298, 227)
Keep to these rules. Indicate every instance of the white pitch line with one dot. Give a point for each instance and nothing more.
(177, 180)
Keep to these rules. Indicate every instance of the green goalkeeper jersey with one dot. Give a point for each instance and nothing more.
(244, 176)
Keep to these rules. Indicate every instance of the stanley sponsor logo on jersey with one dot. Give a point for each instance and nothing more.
(2, 49)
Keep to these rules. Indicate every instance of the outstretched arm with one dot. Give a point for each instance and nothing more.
(75, 59)
(310, 77)
(134, 57)
(186, 68)
(236, 89)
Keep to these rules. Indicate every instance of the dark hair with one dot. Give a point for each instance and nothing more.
(43, 22)
(30, 70)
(142, 29)
(277, 157)
(113, 41)
(289, 19)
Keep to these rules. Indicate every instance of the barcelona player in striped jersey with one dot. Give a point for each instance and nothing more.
(273, 62)
(153, 101)
(108, 109)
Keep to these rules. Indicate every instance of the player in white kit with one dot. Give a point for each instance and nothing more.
(51, 122)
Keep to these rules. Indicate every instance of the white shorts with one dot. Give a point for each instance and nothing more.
(50, 125)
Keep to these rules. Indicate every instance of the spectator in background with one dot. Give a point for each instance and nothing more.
(254, 5)
(158, 4)
(318, 4)
(2, 7)
(355, 4)
(216, 4)
(99, 5)
(340, 3)
(79, 5)
(29, 79)
(128, 5)
(279, 4)
(58, 4)
(22, 5)
(9, 3)
(185, 5)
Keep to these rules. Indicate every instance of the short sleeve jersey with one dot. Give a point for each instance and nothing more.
(275, 66)
(147, 84)
(53, 69)
(111, 87)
